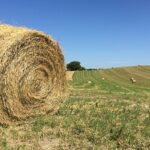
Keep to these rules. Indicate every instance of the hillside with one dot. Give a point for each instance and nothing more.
(123, 75)
(115, 78)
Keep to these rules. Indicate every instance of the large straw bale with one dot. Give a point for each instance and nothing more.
(32, 74)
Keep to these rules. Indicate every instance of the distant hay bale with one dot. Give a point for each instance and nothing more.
(103, 78)
(69, 75)
(132, 80)
(89, 82)
(32, 74)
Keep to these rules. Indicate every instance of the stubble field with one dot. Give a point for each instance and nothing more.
(104, 111)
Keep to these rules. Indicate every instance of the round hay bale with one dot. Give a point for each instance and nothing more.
(89, 82)
(132, 80)
(69, 75)
(32, 74)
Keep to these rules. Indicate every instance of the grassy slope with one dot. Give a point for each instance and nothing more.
(103, 114)
(119, 76)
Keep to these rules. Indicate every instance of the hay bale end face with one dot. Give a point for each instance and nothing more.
(32, 74)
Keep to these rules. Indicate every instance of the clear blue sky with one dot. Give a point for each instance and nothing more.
(98, 33)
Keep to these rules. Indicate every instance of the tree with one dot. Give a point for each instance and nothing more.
(74, 65)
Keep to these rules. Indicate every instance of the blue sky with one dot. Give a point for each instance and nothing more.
(98, 33)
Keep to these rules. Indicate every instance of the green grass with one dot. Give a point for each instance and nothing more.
(101, 115)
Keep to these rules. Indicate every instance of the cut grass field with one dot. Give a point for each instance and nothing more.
(107, 113)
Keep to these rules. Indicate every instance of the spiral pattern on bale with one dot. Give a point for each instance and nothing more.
(32, 74)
